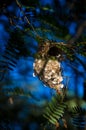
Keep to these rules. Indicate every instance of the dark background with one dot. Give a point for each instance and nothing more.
(67, 22)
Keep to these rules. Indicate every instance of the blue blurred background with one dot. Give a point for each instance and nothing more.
(22, 76)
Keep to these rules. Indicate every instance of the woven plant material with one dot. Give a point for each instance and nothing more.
(47, 65)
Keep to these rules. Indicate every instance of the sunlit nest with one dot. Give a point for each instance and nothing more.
(47, 65)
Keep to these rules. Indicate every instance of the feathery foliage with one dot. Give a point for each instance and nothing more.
(55, 110)
(73, 111)
(14, 49)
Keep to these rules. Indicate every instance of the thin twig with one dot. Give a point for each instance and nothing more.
(20, 6)
(78, 33)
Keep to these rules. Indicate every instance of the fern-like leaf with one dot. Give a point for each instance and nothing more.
(77, 112)
(55, 110)
(15, 48)
(17, 91)
(78, 118)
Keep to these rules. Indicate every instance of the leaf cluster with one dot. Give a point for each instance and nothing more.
(58, 110)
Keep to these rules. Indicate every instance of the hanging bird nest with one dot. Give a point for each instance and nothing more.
(47, 65)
